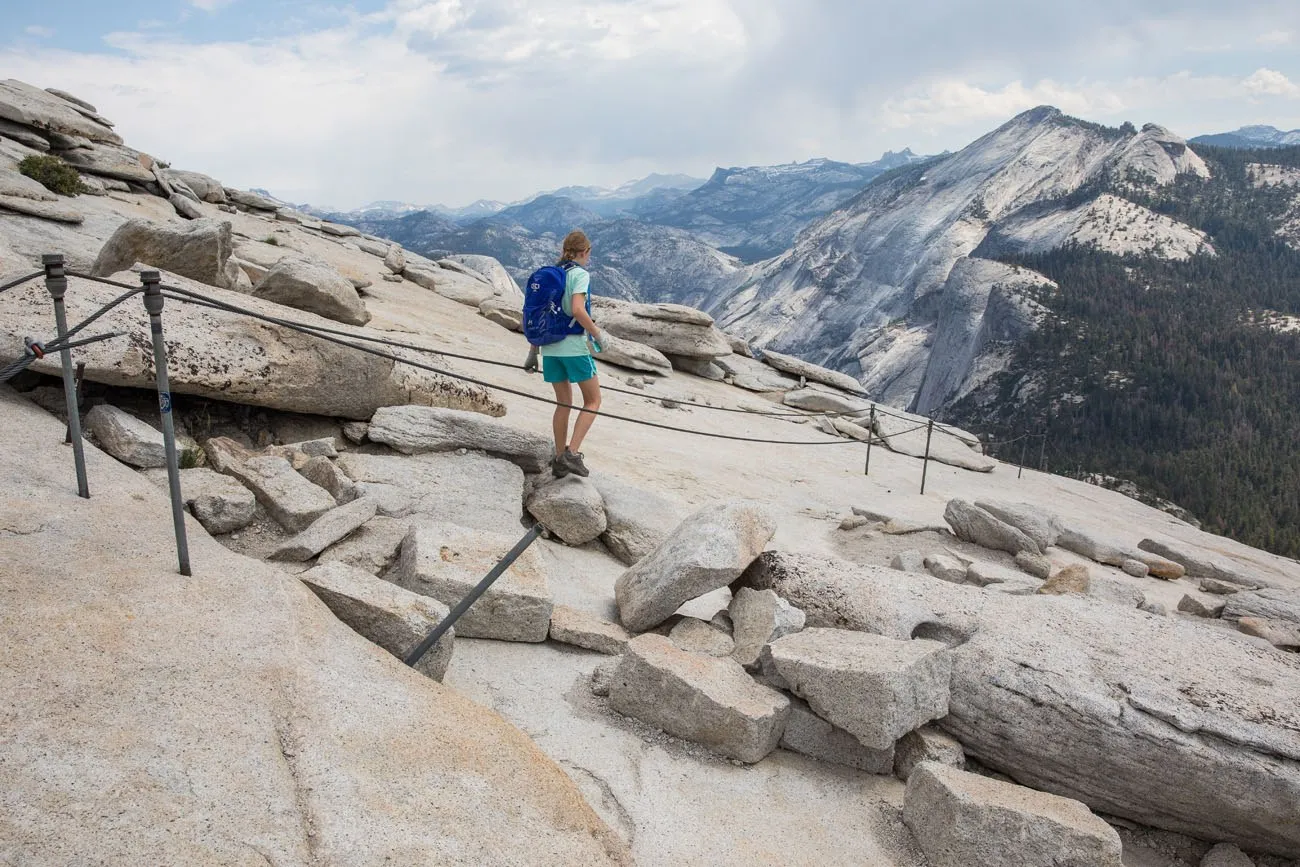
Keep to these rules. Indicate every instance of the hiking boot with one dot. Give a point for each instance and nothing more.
(558, 467)
(573, 463)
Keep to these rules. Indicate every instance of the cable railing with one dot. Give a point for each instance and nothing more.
(156, 293)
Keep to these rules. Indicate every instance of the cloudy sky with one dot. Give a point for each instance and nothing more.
(453, 100)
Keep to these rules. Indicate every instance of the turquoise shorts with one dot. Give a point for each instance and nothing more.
(568, 368)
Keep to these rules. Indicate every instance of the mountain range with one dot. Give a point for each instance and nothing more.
(655, 239)
(895, 287)
(1251, 137)
(1129, 301)
(755, 212)
(602, 200)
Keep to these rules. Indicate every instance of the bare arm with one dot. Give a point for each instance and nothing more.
(580, 315)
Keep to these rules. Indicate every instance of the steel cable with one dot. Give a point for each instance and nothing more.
(25, 360)
(383, 341)
(948, 429)
(17, 366)
(186, 296)
(20, 281)
(332, 335)
(101, 311)
(104, 280)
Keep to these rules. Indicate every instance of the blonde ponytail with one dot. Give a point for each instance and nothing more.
(575, 244)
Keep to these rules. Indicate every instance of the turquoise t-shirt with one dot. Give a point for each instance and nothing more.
(577, 282)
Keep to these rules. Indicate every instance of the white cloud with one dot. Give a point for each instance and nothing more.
(42, 32)
(1270, 82)
(540, 35)
(452, 100)
(427, 100)
(953, 102)
(210, 5)
(1276, 38)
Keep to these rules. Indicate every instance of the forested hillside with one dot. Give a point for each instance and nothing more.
(1182, 376)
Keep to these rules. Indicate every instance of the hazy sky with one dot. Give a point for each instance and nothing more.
(453, 100)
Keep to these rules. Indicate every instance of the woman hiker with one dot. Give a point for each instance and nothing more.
(569, 362)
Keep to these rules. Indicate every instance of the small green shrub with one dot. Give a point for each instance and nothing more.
(54, 174)
(272, 240)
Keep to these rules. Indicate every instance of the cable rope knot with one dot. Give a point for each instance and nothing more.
(34, 347)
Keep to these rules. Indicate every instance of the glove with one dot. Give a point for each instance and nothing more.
(530, 363)
(595, 343)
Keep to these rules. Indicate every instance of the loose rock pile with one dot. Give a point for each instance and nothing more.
(741, 685)
(1033, 694)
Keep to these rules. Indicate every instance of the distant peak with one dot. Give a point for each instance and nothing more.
(891, 156)
(1039, 114)
(1259, 129)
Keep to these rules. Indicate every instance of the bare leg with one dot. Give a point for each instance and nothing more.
(560, 421)
(590, 404)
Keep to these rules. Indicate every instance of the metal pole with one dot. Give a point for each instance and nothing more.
(1042, 453)
(1024, 444)
(871, 434)
(153, 304)
(56, 281)
(463, 605)
(76, 385)
(925, 464)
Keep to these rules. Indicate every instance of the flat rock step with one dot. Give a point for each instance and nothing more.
(291, 500)
(334, 525)
(961, 819)
(416, 429)
(446, 561)
(45, 210)
(704, 699)
(583, 629)
(815, 372)
(395, 619)
(877, 688)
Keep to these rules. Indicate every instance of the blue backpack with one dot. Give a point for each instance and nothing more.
(544, 318)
